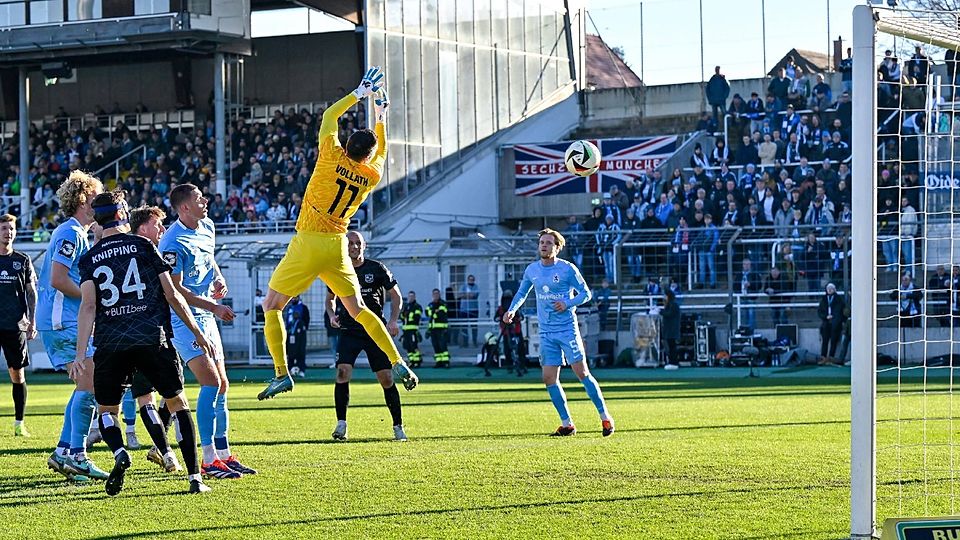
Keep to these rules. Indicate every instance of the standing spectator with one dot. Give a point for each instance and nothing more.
(767, 151)
(888, 230)
(918, 67)
(749, 284)
(846, 71)
(814, 261)
(630, 227)
(670, 324)
(620, 199)
(820, 217)
(747, 154)
(602, 296)
(822, 95)
(832, 316)
(779, 86)
(939, 296)
(755, 111)
(298, 322)
(955, 296)
(718, 89)
(575, 240)
(781, 220)
(610, 209)
(708, 240)
(838, 254)
(511, 336)
(799, 92)
(908, 230)
(608, 236)
(908, 302)
(680, 251)
(437, 325)
(410, 317)
(469, 297)
(774, 285)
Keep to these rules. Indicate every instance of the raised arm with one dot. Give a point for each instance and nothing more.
(522, 291)
(330, 123)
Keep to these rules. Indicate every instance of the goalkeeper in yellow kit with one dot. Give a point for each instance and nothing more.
(341, 181)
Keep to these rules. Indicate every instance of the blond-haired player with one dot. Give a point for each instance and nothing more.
(57, 306)
(342, 179)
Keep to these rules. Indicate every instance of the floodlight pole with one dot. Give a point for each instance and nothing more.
(23, 126)
(219, 123)
(863, 382)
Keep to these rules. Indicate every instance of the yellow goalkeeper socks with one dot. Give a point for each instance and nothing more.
(275, 335)
(378, 333)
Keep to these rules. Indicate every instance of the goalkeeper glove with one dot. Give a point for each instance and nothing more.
(380, 105)
(405, 375)
(372, 81)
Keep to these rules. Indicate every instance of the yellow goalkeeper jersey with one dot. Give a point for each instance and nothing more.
(339, 184)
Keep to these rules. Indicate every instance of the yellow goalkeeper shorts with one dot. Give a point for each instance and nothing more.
(311, 255)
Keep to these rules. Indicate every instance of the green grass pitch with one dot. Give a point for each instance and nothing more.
(698, 453)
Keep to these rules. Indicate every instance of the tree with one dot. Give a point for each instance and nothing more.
(623, 55)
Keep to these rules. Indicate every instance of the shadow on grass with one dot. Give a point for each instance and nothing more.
(539, 505)
(544, 435)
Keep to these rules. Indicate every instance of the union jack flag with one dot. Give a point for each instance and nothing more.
(539, 168)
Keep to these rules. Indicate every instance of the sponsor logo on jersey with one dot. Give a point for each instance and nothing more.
(546, 288)
(368, 278)
(67, 249)
(170, 257)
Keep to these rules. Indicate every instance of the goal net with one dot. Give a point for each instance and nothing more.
(905, 444)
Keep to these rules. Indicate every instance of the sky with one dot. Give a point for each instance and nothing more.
(732, 33)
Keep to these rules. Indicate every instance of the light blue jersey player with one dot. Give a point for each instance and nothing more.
(188, 247)
(559, 288)
(58, 302)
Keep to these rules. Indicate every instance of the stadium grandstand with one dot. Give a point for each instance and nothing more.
(769, 167)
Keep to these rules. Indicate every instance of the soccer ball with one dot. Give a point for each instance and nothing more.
(582, 158)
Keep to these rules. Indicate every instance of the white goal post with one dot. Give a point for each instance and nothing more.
(915, 452)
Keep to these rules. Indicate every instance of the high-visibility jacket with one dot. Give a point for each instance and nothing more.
(410, 316)
(437, 314)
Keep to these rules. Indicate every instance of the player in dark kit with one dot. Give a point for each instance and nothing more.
(376, 284)
(18, 289)
(125, 288)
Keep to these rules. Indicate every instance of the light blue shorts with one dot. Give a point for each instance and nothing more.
(61, 346)
(186, 344)
(559, 348)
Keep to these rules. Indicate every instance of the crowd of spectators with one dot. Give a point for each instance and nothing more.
(269, 164)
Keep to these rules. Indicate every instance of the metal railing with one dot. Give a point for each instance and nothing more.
(182, 119)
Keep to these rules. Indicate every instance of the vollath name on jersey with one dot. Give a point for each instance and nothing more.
(347, 174)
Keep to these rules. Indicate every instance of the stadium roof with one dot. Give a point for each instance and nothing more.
(810, 61)
(607, 70)
(345, 9)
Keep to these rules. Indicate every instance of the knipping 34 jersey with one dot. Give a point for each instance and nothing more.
(131, 307)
